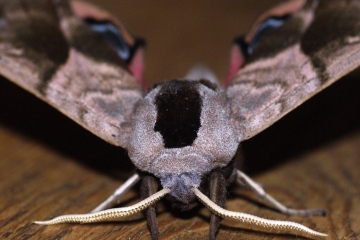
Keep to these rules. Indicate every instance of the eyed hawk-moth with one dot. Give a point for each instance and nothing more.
(274, 68)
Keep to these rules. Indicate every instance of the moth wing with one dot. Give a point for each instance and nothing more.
(51, 53)
(316, 46)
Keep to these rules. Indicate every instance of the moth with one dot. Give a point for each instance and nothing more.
(181, 135)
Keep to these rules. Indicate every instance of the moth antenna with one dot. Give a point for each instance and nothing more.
(261, 223)
(108, 214)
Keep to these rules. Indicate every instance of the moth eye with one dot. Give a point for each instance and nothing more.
(263, 29)
(114, 37)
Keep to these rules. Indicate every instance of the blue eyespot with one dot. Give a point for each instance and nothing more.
(262, 31)
(112, 35)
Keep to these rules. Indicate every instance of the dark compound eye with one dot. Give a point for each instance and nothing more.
(112, 35)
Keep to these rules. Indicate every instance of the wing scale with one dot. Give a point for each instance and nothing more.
(294, 62)
(42, 49)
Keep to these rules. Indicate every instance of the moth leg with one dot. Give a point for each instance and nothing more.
(243, 179)
(148, 187)
(218, 196)
(118, 194)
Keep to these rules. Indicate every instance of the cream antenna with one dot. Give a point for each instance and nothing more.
(108, 214)
(260, 223)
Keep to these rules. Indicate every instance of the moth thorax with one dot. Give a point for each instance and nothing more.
(181, 131)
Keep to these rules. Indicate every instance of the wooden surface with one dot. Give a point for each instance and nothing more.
(309, 159)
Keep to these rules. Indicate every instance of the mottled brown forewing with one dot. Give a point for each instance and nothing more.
(52, 54)
(315, 47)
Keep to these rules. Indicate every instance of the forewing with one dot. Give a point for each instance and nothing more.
(316, 46)
(49, 52)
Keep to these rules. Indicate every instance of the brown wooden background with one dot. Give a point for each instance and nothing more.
(51, 166)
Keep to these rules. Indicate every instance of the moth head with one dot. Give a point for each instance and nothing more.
(181, 131)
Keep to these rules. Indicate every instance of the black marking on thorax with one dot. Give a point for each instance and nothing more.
(178, 113)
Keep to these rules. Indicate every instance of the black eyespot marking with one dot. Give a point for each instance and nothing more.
(114, 37)
(178, 113)
(264, 29)
(112, 34)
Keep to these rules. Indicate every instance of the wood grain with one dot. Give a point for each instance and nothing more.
(309, 159)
